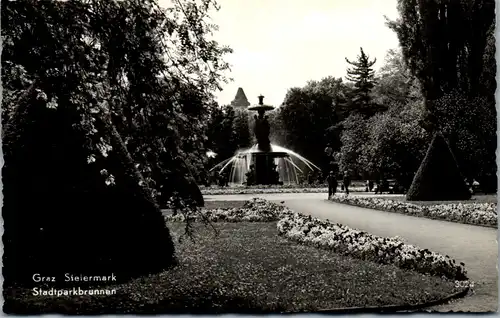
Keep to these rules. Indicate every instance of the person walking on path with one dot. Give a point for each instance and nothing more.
(332, 184)
(346, 181)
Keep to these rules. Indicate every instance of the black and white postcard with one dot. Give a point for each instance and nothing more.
(249, 157)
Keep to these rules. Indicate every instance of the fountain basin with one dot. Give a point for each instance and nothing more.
(277, 166)
(261, 108)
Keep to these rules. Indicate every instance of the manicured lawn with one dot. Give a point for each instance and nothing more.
(223, 204)
(248, 268)
(214, 205)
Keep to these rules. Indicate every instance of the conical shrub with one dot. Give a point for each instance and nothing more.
(59, 215)
(438, 177)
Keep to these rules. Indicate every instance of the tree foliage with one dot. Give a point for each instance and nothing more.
(395, 85)
(278, 133)
(444, 43)
(470, 128)
(241, 129)
(220, 133)
(396, 143)
(107, 90)
(391, 143)
(353, 139)
(309, 115)
(151, 69)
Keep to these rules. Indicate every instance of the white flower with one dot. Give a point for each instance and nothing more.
(110, 180)
(103, 147)
(90, 159)
(52, 104)
(41, 95)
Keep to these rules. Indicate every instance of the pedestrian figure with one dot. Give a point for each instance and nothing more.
(220, 179)
(309, 178)
(378, 186)
(226, 179)
(385, 186)
(346, 181)
(370, 185)
(332, 184)
(320, 177)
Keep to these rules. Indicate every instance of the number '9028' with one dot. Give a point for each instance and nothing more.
(464, 284)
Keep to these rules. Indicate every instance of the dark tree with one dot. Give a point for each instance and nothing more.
(220, 133)
(91, 116)
(309, 115)
(241, 129)
(363, 76)
(444, 43)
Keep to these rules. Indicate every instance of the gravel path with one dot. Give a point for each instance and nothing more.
(476, 246)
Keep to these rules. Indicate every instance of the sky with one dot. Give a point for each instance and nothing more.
(280, 44)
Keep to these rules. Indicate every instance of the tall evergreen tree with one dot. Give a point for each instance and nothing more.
(363, 77)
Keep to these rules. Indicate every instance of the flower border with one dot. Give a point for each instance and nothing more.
(482, 214)
(273, 189)
(362, 245)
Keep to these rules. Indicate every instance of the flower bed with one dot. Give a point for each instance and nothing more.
(359, 244)
(246, 269)
(273, 189)
(339, 238)
(275, 186)
(470, 213)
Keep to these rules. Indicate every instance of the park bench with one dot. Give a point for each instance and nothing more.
(390, 186)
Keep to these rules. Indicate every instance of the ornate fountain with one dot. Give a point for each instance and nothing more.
(263, 158)
(264, 163)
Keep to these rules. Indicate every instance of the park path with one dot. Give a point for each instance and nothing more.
(476, 246)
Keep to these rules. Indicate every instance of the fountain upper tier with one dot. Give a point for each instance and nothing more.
(261, 107)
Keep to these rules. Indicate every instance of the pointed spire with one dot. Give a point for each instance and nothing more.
(240, 100)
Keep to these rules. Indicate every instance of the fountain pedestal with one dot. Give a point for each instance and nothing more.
(265, 169)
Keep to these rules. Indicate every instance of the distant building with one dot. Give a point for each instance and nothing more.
(240, 100)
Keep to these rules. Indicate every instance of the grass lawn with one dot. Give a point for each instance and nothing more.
(223, 204)
(214, 205)
(480, 198)
(247, 268)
